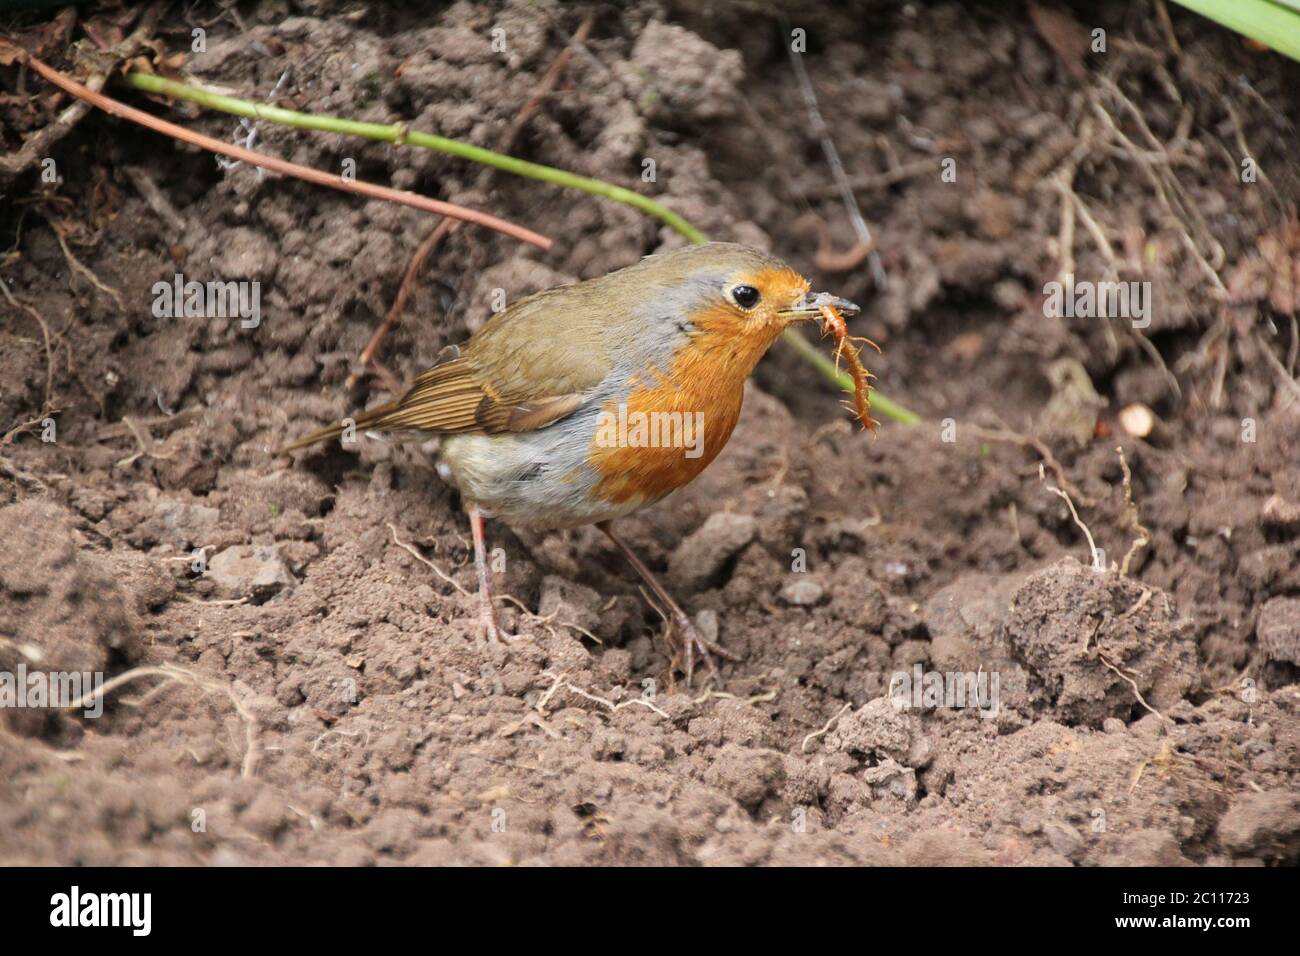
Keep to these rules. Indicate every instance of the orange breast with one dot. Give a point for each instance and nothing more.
(668, 430)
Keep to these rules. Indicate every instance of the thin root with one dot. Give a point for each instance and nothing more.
(425, 561)
(562, 684)
(1098, 559)
(803, 748)
(1136, 693)
(1131, 510)
(171, 672)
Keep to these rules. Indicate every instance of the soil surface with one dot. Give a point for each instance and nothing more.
(315, 689)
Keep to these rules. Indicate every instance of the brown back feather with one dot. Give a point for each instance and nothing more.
(496, 384)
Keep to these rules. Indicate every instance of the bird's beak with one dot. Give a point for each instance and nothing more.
(809, 306)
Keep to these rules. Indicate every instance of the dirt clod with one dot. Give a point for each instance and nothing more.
(701, 557)
(1075, 628)
(256, 572)
(1279, 629)
(1263, 825)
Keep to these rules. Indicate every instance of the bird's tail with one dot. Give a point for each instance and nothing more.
(362, 421)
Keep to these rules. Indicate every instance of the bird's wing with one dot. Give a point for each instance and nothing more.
(526, 368)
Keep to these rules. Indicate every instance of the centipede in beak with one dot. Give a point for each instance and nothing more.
(833, 324)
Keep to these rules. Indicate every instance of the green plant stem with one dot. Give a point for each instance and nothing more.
(399, 134)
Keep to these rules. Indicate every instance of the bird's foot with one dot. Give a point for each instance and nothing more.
(487, 612)
(682, 631)
(693, 646)
(490, 626)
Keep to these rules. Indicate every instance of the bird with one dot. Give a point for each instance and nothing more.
(588, 402)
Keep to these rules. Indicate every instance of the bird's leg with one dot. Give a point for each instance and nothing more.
(486, 611)
(692, 641)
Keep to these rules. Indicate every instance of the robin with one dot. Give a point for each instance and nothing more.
(588, 402)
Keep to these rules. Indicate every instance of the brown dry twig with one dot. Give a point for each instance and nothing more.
(531, 719)
(40, 144)
(764, 698)
(156, 200)
(26, 426)
(367, 362)
(821, 130)
(305, 173)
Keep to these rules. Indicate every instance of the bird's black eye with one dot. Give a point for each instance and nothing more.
(745, 296)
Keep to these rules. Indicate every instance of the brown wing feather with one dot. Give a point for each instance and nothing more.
(531, 416)
(451, 398)
(446, 398)
(496, 383)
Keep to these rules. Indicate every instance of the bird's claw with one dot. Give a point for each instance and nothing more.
(492, 632)
(693, 645)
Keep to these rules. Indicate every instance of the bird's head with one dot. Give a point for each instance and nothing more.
(730, 299)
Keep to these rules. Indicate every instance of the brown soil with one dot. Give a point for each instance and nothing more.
(336, 704)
